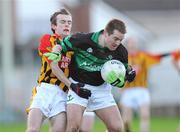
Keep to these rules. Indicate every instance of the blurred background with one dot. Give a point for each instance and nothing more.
(156, 24)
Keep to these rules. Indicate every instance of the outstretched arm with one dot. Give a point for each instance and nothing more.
(77, 88)
(59, 74)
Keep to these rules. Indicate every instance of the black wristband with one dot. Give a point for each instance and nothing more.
(73, 86)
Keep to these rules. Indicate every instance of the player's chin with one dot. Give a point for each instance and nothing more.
(66, 33)
(113, 48)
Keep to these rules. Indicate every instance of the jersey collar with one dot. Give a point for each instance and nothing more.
(95, 38)
(57, 36)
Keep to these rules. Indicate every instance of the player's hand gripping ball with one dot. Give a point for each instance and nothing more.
(114, 72)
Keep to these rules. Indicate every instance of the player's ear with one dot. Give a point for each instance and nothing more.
(53, 26)
(105, 33)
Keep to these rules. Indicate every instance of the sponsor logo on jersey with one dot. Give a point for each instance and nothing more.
(65, 61)
(90, 50)
(90, 67)
(110, 57)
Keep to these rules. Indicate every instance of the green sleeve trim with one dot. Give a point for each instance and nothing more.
(64, 49)
(60, 42)
(67, 43)
(126, 65)
(95, 37)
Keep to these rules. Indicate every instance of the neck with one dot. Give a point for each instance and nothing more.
(101, 40)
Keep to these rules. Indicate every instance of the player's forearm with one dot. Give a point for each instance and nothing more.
(60, 74)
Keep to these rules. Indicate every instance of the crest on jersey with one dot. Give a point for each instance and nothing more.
(90, 50)
(110, 57)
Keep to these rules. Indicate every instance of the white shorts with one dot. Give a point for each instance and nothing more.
(101, 97)
(89, 113)
(135, 97)
(50, 99)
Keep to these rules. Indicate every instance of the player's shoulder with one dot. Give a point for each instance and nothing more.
(81, 35)
(44, 41)
(45, 37)
(48, 38)
(122, 48)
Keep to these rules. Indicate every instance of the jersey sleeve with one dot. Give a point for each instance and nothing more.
(45, 46)
(152, 59)
(72, 42)
(123, 56)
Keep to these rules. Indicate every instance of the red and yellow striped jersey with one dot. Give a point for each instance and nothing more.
(141, 62)
(46, 44)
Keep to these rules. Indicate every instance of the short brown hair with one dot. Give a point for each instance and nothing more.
(53, 18)
(115, 24)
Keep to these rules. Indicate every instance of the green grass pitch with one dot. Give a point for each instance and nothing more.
(157, 125)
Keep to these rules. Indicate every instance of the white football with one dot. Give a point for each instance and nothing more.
(113, 65)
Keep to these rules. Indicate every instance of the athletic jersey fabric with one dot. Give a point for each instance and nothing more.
(46, 44)
(89, 57)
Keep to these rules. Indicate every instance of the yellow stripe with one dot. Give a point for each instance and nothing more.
(53, 80)
(52, 40)
(34, 91)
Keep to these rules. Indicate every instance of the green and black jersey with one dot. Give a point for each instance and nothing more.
(89, 57)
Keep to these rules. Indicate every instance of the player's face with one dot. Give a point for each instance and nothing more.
(112, 41)
(63, 25)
